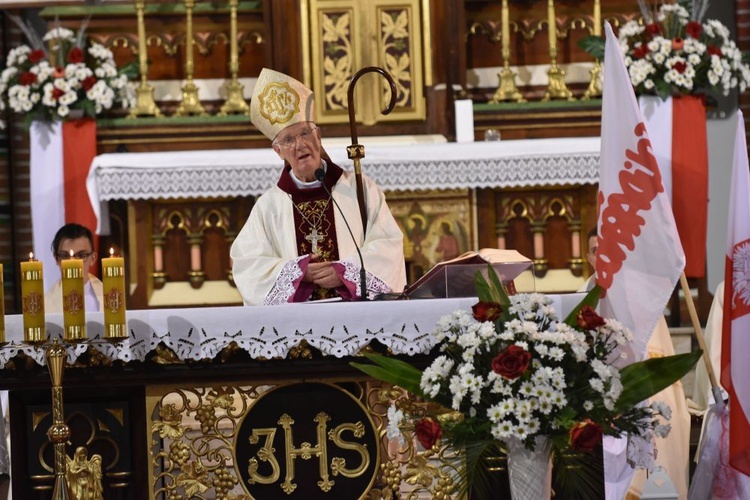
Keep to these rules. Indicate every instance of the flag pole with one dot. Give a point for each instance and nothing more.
(701, 340)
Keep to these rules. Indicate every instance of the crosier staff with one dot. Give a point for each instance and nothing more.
(356, 151)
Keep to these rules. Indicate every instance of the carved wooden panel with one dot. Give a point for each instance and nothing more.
(347, 35)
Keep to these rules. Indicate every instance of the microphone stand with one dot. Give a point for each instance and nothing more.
(320, 176)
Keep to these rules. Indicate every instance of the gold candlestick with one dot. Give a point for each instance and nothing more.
(556, 89)
(144, 104)
(58, 432)
(596, 83)
(507, 91)
(235, 102)
(191, 104)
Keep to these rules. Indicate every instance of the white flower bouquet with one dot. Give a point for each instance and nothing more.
(673, 51)
(515, 372)
(58, 74)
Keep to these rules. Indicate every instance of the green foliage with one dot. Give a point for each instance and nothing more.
(593, 45)
(391, 370)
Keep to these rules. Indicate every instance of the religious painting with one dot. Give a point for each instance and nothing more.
(437, 226)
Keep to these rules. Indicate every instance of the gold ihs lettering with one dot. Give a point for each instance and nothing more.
(305, 452)
(338, 464)
(265, 454)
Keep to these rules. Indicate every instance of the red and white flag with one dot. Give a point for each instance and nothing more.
(639, 256)
(735, 346)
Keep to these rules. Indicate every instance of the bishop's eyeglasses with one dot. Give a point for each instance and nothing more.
(289, 141)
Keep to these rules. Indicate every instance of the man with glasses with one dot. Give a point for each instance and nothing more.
(77, 240)
(295, 246)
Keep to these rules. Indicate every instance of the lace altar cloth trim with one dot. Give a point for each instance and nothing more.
(335, 328)
(535, 162)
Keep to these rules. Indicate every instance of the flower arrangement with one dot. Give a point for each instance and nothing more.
(674, 51)
(58, 74)
(514, 372)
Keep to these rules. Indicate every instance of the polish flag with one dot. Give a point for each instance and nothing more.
(735, 346)
(639, 257)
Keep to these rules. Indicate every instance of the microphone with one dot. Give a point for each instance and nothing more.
(320, 175)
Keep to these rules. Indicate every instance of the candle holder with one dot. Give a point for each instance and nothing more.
(507, 91)
(144, 104)
(556, 89)
(235, 102)
(596, 84)
(59, 432)
(190, 104)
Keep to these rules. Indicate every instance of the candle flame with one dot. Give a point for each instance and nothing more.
(31, 255)
(71, 253)
(111, 251)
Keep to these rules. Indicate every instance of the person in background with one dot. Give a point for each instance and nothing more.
(77, 239)
(295, 246)
(621, 481)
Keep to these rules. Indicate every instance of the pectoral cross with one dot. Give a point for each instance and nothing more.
(314, 237)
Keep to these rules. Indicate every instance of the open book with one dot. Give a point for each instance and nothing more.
(455, 277)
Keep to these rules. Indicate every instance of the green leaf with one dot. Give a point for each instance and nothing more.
(642, 380)
(591, 299)
(593, 45)
(392, 370)
(494, 291)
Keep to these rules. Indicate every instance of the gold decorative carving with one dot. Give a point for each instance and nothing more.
(84, 475)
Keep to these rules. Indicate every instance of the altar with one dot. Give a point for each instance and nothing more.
(175, 214)
(192, 397)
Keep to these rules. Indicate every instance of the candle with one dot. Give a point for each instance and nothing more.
(2, 306)
(113, 277)
(74, 308)
(552, 31)
(32, 300)
(597, 18)
(505, 20)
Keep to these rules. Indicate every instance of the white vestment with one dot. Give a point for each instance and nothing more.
(265, 260)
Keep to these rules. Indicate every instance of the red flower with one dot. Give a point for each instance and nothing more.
(694, 29)
(653, 29)
(36, 55)
(58, 72)
(588, 319)
(486, 311)
(641, 51)
(88, 82)
(27, 78)
(677, 43)
(679, 67)
(57, 93)
(75, 55)
(585, 436)
(428, 432)
(713, 50)
(512, 362)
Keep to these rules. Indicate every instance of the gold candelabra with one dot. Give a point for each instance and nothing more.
(235, 102)
(507, 91)
(59, 432)
(144, 104)
(556, 89)
(190, 104)
(595, 85)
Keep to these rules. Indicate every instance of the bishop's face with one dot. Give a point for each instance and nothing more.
(299, 145)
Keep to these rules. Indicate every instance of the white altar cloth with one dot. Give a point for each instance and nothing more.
(250, 172)
(334, 328)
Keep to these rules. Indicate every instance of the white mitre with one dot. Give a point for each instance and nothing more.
(279, 101)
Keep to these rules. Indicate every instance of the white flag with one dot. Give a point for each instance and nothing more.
(639, 257)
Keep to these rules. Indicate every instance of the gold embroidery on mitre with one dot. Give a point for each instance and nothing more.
(278, 102)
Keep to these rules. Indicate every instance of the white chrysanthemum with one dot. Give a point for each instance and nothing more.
(393, 431)
(588, 405)
(59, 33)
(63, 110)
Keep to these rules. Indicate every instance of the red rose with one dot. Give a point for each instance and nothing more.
(27, 78)
(512, 362)
(588, 319)
(88, 82)
(486, 311)
(653, 29)
(75, 55)
(694, 29)
(679, 67)
(677, 43)
(36, 55)
(57, 93)
(585, 436)
(714, 50)
(428, 432)
(641, 51)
